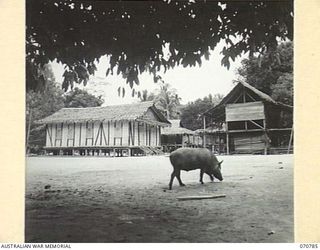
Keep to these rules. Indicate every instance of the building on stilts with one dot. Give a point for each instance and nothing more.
(120, 130)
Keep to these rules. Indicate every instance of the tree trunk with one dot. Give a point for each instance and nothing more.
(28, 131)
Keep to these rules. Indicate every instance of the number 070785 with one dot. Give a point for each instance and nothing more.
(313, 246)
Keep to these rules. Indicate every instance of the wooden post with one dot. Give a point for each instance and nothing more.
(74, 133)
(150, 135)
(108, 133)
(219, 146)
(129, 132)
(227, 141)
(138, 134)
(133, 132)
(101, 130)
(204, 131)
(290, 141)
(61, 134)
(146, 134)
(156, 135)
(80, 134)
(266, 137)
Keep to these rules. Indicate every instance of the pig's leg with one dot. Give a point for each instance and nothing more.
(201, 176)
(171, 180)
(178, 177)
(211, 176)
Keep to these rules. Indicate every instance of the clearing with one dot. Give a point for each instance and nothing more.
(96, 199)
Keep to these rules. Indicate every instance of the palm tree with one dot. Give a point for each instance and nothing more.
(167, 100)
(146, 96)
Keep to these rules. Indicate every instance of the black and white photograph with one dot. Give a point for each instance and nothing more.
(159, 121)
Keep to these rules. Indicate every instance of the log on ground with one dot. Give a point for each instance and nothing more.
(201, 197)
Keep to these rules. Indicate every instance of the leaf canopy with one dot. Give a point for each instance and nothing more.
(134, 33)
(272, 73)
(190, 114)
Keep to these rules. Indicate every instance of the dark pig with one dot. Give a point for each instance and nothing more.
(194, 158)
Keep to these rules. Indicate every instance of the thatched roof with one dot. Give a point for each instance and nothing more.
(262, 95)
(136, 111)
(259, 94)
(175, 129)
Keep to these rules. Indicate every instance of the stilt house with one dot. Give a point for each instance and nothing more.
(254, 122)
(132, 129)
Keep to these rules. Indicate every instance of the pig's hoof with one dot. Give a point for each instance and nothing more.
(182, 185)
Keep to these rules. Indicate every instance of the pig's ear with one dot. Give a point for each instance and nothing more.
(220, 162)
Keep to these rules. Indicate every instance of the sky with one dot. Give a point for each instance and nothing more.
(190, 83)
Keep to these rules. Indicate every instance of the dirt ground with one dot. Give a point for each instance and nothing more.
(93, 199)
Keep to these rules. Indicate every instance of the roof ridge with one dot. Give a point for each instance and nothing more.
(82, 107)
(117, 105)
(261, 93)
(263, 96)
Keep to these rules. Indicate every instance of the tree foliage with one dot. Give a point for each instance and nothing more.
(190, 114)
(134, 34)
(146, 96)
(38, 75)
(271, 73)
(283, 89)
(167, 100)
(78, 98)
(38, 106)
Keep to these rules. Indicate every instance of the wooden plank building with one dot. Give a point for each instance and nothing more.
(254, 122)
(131, 129)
